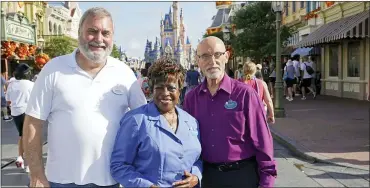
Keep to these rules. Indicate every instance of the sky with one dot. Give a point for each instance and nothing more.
(135, 22)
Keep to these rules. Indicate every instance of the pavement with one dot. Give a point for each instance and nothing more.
(328, 130)
(292, 171)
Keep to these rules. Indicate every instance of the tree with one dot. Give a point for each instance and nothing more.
(258, 23)
(115, 52)
(58, 46)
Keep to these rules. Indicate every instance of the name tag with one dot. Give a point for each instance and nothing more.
(118, 89)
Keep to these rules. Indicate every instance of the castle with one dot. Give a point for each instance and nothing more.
(173, 41)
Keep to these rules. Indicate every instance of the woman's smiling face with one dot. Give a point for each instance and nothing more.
(166, 94)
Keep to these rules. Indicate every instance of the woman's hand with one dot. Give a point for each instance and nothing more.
(190, 181)
(271, 119)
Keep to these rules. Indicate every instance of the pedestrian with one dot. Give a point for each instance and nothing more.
(158, 144)
(258, 73)
(83, 96)
(237, 147)
(239, 71)
(18, 94)
(307, 67)
(265, 71)
(4, 105)
(192, 79)
(250, 70)
(298, 76)
(272, 80)
(289, 78)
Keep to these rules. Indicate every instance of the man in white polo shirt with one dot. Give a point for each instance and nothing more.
(82, 96)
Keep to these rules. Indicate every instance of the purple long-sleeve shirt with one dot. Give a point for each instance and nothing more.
(233, 126)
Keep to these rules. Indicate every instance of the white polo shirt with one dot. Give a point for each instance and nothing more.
(83, 115)
(18, 93)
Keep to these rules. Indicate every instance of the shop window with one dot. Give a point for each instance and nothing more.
(333, 60)
(286, 9)
(293, 6)
(353, 62)
(50, 27)
(302, 4)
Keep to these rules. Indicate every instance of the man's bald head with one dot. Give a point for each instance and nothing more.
(210, 42)
(212, 57)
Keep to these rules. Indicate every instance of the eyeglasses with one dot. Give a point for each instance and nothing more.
(207, 57)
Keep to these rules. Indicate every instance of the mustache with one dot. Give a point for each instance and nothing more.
(96, 44)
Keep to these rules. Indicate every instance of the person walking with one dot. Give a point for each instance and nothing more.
(4, 105)
(289, 78)
(250, 70)
(192, 79)
(83, 96)
(18, 94)
(308, 71)
(158, 144)
(237, 146)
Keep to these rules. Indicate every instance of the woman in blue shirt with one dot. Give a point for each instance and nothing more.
(158, 144)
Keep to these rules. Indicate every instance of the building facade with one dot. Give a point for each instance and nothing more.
(57, 18)
(74, 21)
(173, 40)
(343, 38)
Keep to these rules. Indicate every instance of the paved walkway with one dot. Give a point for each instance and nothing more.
(9, 142)
(331, 129)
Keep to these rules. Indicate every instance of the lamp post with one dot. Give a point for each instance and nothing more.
(226, 36)
(277, 6)
(41, 43)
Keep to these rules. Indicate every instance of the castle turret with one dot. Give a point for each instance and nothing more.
(179, 53)
(175, 25)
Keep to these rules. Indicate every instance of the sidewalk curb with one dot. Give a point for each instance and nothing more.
(12, 161)
(298, 150)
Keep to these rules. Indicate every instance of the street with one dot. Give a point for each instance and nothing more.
(292, 171)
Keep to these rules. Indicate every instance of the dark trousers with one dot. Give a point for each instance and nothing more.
(246, 177)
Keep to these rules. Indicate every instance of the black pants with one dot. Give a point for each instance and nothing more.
(18, 121)
(246, 177)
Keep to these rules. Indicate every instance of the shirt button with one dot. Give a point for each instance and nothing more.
(180, 157)
(212, 99)
(212, 130)
(213, 145)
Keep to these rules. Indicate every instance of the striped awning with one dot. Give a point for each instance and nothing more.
(356, 26)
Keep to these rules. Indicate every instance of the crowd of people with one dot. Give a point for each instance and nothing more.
(168, 127)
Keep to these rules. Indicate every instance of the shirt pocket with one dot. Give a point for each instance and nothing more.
(235, 124)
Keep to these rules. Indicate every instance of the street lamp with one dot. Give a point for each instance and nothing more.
(41, 43)
(277, 6)
(226, 34)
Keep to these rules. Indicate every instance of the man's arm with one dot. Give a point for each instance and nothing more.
(262, 139)
(136, 96)
(32, 141)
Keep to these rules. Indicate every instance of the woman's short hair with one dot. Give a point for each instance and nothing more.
(250, 69)
(165, 68)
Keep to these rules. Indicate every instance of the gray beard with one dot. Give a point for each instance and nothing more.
(97, 58)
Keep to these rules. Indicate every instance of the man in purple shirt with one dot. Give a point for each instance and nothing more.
(237, 147)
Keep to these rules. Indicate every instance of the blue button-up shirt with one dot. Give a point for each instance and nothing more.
(147, 152)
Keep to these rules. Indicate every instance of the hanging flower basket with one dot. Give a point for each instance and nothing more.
(41, 60)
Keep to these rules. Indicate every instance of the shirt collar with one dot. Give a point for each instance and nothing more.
(153, 113)
(224, 85)
(73, 62)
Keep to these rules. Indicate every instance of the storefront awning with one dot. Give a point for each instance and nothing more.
(356, 26)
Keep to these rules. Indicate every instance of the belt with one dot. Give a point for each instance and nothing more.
(225, 167)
